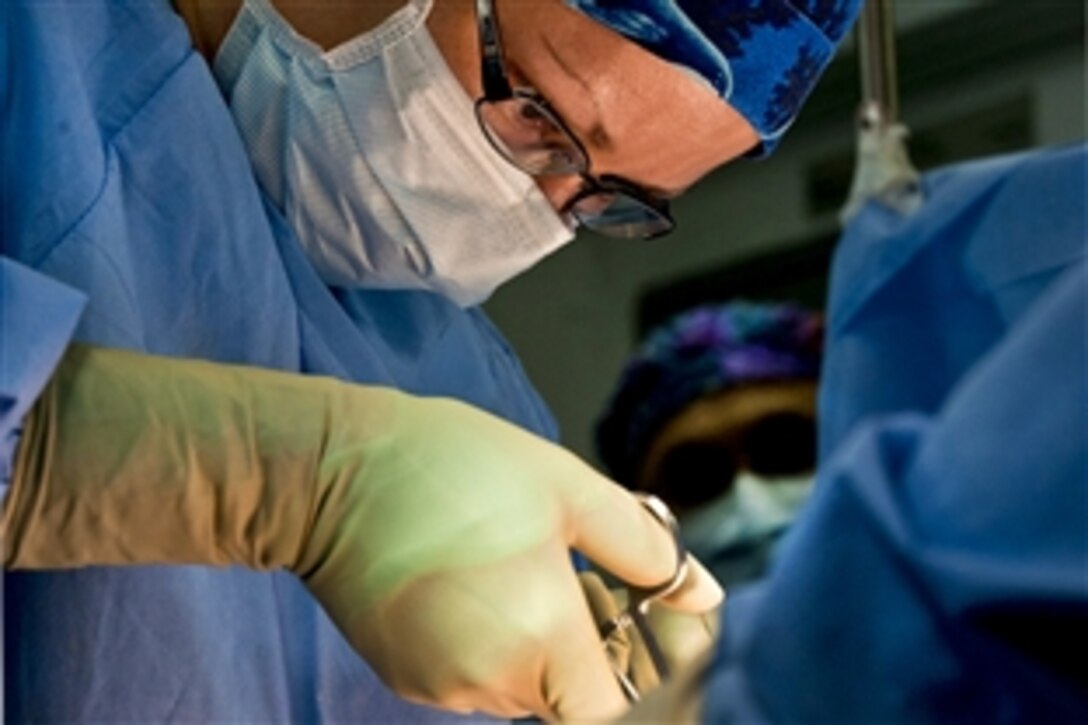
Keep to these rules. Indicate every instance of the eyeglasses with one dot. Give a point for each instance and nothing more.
(527, 132)
(693, 472)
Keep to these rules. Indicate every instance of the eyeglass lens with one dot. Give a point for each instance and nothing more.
(527, 134)
(696, 472)
(617, 214)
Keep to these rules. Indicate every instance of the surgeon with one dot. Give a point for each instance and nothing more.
(340, 217)
(715, 413)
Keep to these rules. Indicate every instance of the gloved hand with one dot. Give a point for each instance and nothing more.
(435, 535)
(683, 637)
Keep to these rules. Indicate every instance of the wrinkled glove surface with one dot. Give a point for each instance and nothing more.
(436, 536)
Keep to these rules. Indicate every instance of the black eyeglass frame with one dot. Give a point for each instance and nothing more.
(497, 88)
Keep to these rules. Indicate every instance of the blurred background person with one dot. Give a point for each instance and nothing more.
(715, 413)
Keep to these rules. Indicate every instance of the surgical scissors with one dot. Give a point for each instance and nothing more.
(640, 598)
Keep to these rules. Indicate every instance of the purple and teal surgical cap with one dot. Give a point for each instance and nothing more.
(761, 56)
(702, 352)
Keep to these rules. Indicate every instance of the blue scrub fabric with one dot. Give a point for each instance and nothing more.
(37, 318)
(123, 177)
(940, 572)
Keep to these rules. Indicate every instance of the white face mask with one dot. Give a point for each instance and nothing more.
(752, 510)
(373, 152)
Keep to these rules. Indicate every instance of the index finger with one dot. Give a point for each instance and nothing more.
(608, 524)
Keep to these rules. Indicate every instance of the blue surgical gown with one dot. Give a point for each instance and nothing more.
(940, 572)
(123, 180)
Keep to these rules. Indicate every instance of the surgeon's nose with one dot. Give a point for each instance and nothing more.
(559, 190)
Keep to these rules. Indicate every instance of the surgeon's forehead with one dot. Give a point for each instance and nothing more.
(626, 104)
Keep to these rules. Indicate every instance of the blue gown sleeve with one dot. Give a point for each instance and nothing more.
(37, 318)
(941, 571)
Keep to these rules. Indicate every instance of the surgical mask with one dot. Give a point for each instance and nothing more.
(374, 155)
(753, 510)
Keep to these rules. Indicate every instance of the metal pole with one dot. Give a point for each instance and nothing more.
(883, 172)
(876, 48)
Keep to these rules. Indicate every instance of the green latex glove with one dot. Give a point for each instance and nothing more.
(435, 535)
(680, 701)
(683, 638)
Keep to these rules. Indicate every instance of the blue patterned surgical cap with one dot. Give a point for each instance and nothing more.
(762, 56)
(701, 352)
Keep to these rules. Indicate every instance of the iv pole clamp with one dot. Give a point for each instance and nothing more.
(884, 172)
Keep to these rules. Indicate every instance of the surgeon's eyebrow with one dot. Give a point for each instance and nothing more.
(596, 135)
